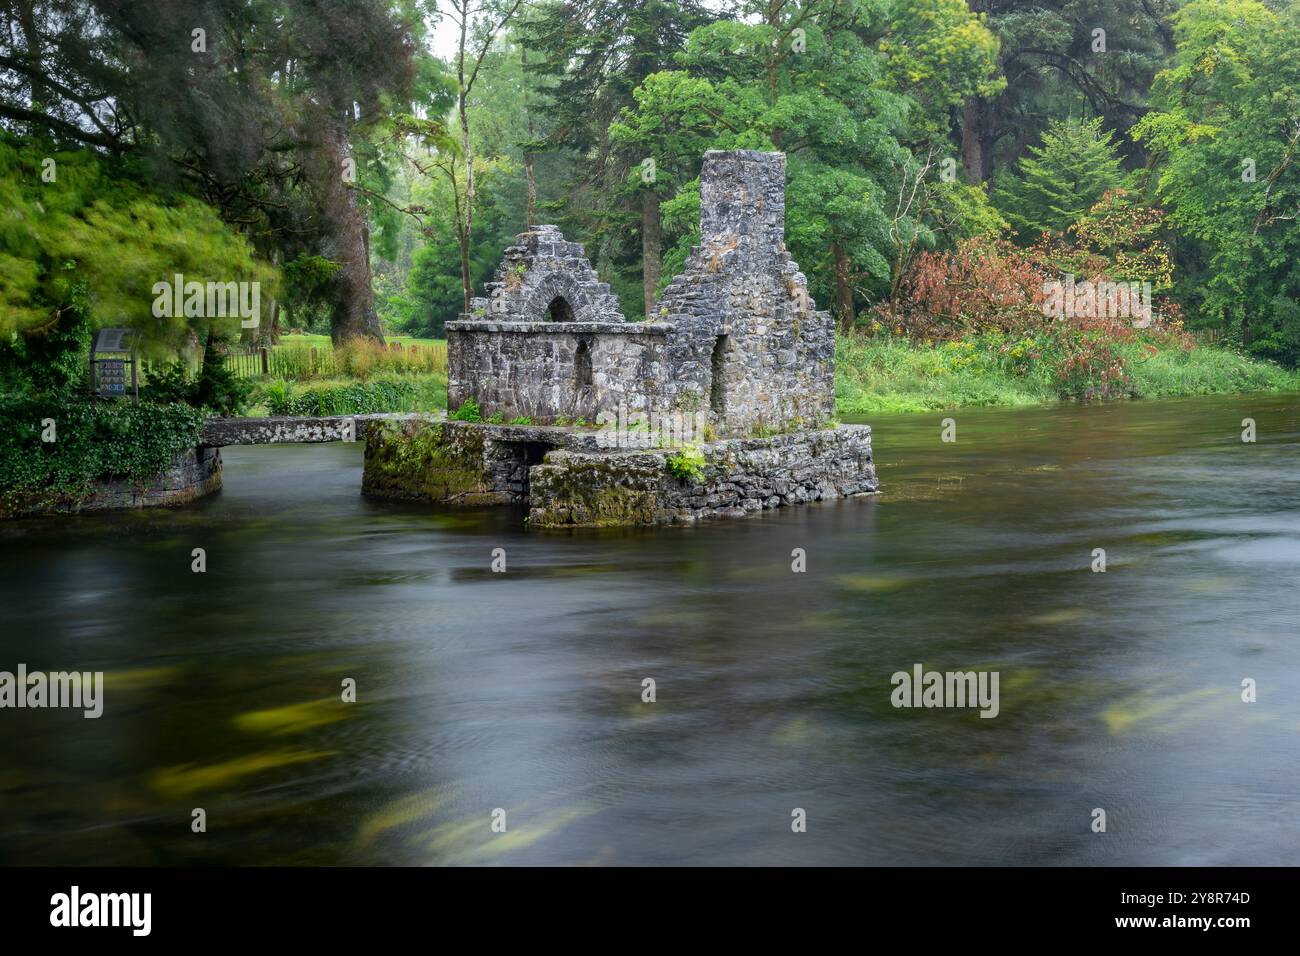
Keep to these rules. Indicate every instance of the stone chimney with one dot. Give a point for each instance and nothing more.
(742, 201)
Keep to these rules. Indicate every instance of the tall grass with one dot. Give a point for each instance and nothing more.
(892, 374)
(359, 359)
(382, 392)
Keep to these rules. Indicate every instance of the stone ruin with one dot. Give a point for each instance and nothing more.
(735, 344)
(735, 335)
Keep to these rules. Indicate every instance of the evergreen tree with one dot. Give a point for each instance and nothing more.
(593, 56)
(1059, 180)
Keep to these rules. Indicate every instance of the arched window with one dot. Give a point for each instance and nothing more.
(582, 365)
(559, 310)
(718, 387)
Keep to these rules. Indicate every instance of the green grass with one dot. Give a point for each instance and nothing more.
(306, 340)
(880, 374)
(417, 393)
(875, 375)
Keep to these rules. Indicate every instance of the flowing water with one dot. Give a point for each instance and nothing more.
(523, 690)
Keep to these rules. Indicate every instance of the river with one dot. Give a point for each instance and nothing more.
(522, 691)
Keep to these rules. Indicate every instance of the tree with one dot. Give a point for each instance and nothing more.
(250, 106)
(807, 78)
(475, 39)
(1063, 57)
(591, 56)
(1059, 180)
(1225, 145)
(93, 243)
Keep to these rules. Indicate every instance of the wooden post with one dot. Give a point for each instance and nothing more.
(313, 360)
(266, 360)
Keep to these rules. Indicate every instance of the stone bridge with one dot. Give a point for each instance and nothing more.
(219, 432)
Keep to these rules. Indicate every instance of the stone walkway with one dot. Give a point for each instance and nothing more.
(218, 432)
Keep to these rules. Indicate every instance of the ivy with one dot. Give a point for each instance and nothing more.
(93, 441)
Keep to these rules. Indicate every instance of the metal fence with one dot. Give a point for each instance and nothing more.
(302, 361)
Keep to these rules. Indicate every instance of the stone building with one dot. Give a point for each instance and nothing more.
(735, 344)
(735, 335)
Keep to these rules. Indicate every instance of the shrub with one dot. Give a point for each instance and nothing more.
(1092, 369)
(468, 412)
(687, 464)
(358, 358)
(386, 394)
(215, 388)
(94, 441)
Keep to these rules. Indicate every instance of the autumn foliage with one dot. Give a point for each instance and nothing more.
(990, 289)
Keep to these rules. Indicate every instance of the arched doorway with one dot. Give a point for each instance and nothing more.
(559, 310)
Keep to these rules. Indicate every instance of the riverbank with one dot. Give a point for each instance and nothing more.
(883, 374)
(874, 375)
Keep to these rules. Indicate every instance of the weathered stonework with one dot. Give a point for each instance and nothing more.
(459, 463)
(192, 475)
(736, 334)
(529, 369)
(735, 345)
(567, 480)
(741, 476)
(219, 432)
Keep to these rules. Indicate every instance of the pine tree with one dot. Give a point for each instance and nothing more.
(1060, 180)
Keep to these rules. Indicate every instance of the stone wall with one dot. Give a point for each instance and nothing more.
(735, 335)
(545, 278)
(219, 432)
(552, 370)
(750, 343)
(459, 463)
(741, 476)
(192, 475)
(566, 480)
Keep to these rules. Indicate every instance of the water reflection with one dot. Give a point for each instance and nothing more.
(522, 691)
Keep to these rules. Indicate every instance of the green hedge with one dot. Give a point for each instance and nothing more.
(93, 441)
(390, 394)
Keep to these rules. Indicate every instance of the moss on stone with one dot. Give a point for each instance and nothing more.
(609, 507)
(420, 459)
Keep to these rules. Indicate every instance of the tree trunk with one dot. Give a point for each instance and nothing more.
(975, 145)
(529, 172)
(467, 151)
(652, 241)
(843, 289)
(354, 313)
(532, 189)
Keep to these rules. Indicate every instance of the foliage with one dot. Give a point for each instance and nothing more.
(893, 374)
(1059, 180)
(938, 53)
(1119, 238)
(386, 393)
(52, 359)
(94, 441)
(357, 358)
(468, 412)
(97, 234)
(1228, 145)
(215, 388)
(687, 464)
